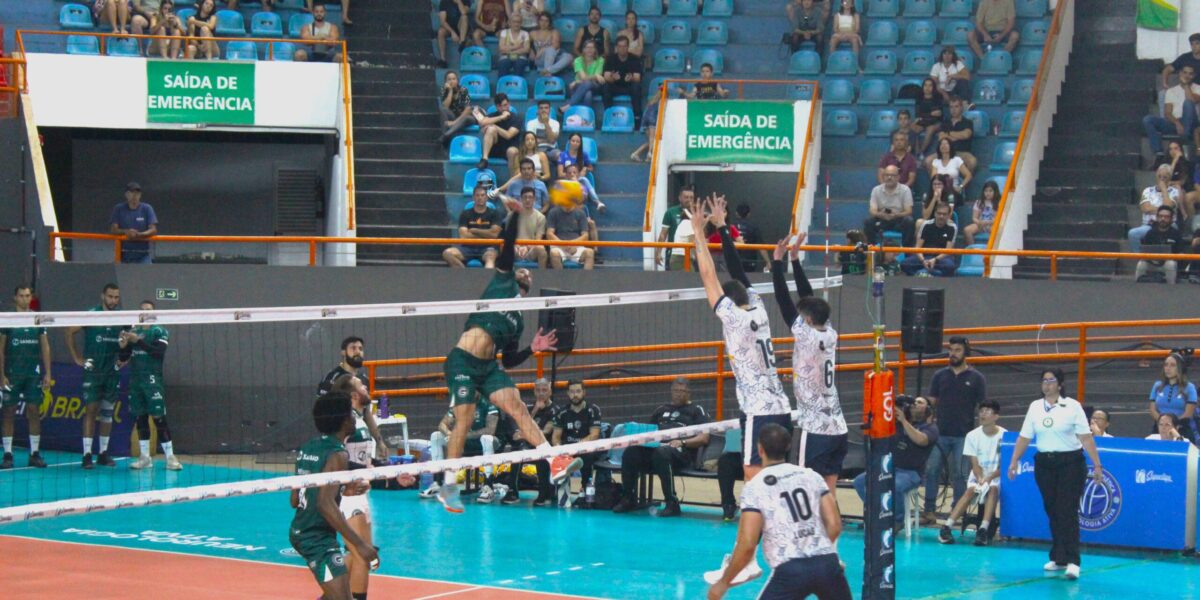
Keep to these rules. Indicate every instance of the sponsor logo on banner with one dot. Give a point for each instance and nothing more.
(889, 577)
(885, 505)
(168, 537)
(1100, 504)
(1024, 467)
(1143, 476)
(886, 539)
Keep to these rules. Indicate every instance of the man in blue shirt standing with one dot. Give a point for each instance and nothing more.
(136, 221)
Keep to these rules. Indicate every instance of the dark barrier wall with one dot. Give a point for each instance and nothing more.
(19, 216)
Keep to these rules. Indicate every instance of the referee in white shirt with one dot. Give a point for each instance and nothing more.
(1058, 425)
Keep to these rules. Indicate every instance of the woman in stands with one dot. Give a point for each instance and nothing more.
(846, 28)
(491, 17)
(528, 12)
(1167, 429)
(164, 21)
(547, 54)
(1182, 178)
(589, 76)
(574, 155)
(1175, 395)
(116, 12)
(983, 212)
(637, 41)
(929, 114)
(940, 190)
(529, 149)
(953, 78)
(514, 50)
(948, 163)
(200, 29)
(455, 105)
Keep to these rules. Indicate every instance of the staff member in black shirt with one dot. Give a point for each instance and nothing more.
(578, 421)
(352, 362)
(666, 458)
(623, 75)
(955, 392)
(938, 233)
(543, 412)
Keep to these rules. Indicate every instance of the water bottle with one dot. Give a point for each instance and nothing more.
(989, 47)
(589, 494)
(383, 407)
(877, 282)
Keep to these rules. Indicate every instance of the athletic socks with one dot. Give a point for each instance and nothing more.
(8, 444)
(87, 445)
(144, 446)
(168, 449)
(450, 478)
(103, 444)
(983, 525)
(362, 596)
(950, 523)
(35, 443)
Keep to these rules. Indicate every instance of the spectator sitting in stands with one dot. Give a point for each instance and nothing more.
(478, 221)
(1162, 233)
(960, 131)
(904, 123)
(983, 212)
(637, 41)
(345, 9)
(481, 440)
(546, 128)
(808, 24)
(900, 157)
(320, 30)
(160, 21)
(1178, 113)
(623, 75)
(929, 114)
(589, 77)
(491, 17)
(995, 23)
(499, 130)
(940, 192)
(1176, 396)
(116, 13)
(574, 155)
(649, 127)
(890, 208)
(453, 24)
(527, 179)
(593, 32)
(915, 436)
(578, 421)
(532, 227)
(890, 260)
(673, 219)
(514, 50)
(946, 163)
(528, 150)
(455, 106)
(547, 54)
(527, 13)
(854, 262)
(1168, 429)
(936, 234)
(1159, 194)
(846, 27)
(200, 26)
(589, 195)
(570, 224)
(982, 447)
(668, 457)
(750, 235)
(1183, 179)
(1099, 422)
(706, 89)
(1191, 59)
(952, 76)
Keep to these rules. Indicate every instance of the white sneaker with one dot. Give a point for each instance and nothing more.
(430, 492)
(142, 462)
(751, 572)
(1072, 571)
(1053, 566)
(485, 494)
(173, 464)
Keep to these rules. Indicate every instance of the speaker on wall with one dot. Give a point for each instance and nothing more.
(561, 320)
(921, 319)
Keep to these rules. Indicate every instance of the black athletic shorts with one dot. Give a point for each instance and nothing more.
(821, 576)
(822, 453)
(750, 427)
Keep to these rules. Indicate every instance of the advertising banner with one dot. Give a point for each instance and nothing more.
(217, 92)
(733, 131)
(63, 410)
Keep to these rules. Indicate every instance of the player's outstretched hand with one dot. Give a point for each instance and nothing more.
(514, 206)
(794, 249)
(406, 479)
(781, 248)
(543, 342)
(698, 218)
(717, 208)
(370, 554)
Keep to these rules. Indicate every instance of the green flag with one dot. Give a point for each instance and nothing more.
(1158, 14)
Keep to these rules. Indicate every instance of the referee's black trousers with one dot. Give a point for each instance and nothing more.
(1060, 478)
(663, 461)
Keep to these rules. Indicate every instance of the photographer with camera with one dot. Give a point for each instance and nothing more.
(915, 436)
(890, 209)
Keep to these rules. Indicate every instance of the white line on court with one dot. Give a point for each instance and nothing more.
(52, 465)
(553, 572)
(452, 593)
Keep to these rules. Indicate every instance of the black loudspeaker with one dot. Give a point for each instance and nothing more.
(561, 320)
(921, 320)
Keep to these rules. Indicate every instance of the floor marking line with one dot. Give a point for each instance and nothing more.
(61, 464)
(452, 593)
(553, 572)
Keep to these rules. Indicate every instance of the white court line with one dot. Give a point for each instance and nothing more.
(575, 569)
(553, 572)
(61, 464)
(451, 593)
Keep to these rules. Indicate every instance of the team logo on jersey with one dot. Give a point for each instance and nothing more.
(1100, 504)
(770, 480)
(753, 326)
(338, 559)
(1048, 422)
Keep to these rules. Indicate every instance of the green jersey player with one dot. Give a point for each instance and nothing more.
(144, 347)
(24, 374)
(100, 375)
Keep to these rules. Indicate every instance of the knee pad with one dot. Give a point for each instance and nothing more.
(143, 427)
(107, 408)
(164, 430)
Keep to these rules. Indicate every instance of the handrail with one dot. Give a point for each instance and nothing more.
(1035, 101)
(802, 175)
(647, 224)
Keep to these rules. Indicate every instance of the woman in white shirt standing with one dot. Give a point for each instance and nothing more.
(1057, 425)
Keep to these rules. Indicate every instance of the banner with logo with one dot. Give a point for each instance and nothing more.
(63, 410)
(733, 131)
(1142, 501)
(209, 92)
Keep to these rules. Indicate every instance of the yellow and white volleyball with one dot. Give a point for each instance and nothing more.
(565, 193)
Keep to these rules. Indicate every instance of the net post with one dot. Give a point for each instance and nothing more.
(879, 425)
(720, 407)
(1082, 360)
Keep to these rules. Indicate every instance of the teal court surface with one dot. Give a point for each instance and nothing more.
(491, 551)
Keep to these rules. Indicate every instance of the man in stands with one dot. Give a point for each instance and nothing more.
(578, 421)
(1162, 193)
(322, 31)
(569, 224)
(532, 227)
(623, 75)
(750, 235)
(1162, 233)
(954, 392)
(995, 23)
(900, 157)
(543, 412)
(936, 234)
(904, 123)
(491, 17)
(137, 222)
(478, 221)
(808, 23)
(500, 131)
(671, 221)
(915, 436)
(157, 17)
(546, 128)
(960, 131)
(664, 459)
(1191, 59)
(593, 32)
(526, 179)
(1179, 111)
(890, 208)
(312, 9)
(589, 195)
(452, 23)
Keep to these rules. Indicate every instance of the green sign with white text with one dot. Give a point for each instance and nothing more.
(216, 93)
(733, 131)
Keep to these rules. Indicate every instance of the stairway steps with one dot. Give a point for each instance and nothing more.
(397, 89)
(1097, 230)
(396, 120)
(1071, 244)
(1075, 176)
(386, 42)
(395, 167)
(1070, 213)
(1089, 195)
(383, 72)
(1123, 161)
(411, 216)
(385, 183)
(410, 150)
(396, 199)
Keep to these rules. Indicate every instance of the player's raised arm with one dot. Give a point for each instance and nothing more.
(804, 289)
(733, 262)
(508, 252)
(782, 296)
(704, 261)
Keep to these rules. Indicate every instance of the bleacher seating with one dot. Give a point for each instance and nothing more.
(919, 9)
(646, 8)
(612, 7)
(709, 56)
(465, 150)
(230, 24)
(574, 7)
(681, 8)
(566, 29)
(712, 33)
(1002, 157)
(297, 22)
(477, 85)
(980, 123)
(920, 34)
(241, 51)
(955, 33)
(473, 176)
(618, 119)
(549, 88)
(804, 62)
(883, 34)
(838, 91)
(875, 91)
(579, 118)
(122, 47)
(1010, 124)
(882, 124)
(676, 32)
(1031, 8)
(996, 62)
(590, 148)
(647, 29)
(76, 16)
(475, 58)
(514, 86)
(883, 8)
(880, 62)
(266, 24)
(841, 62)
(668, 60)
(285, 51)
(840, 123)
(718, 8)
(1029, 60)
(83, 44)
(917, 62)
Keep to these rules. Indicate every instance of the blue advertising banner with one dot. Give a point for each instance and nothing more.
(63, 409)
(1143, 501)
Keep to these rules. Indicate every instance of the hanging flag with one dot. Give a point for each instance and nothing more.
(1158, 14)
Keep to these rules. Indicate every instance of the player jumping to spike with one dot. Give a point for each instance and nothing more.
(471, 366)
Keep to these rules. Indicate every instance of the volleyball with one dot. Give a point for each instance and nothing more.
(566, 193)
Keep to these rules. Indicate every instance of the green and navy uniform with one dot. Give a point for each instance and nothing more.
(101, 346)
(145, 377)
(23, 365)
(310, 534)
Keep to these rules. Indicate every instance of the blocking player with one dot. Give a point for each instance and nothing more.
(471, 367)
(352, 362)
(144, 347)
(790, 509)
(823, 431)
(24, 373)
(100, 375)
(747, 333)
(318, 520)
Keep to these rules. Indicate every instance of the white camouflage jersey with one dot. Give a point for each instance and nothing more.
(360, 445)
(789, 499)
(814, 362)
(748, 342)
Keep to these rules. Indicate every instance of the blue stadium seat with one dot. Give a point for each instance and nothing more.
(475, 58)
(647, 8)
(840, 123)
(579, 118)
(531, 113)
(837, 91)
(1002, 157)
(956, 8)
(618, 119)
(299, 4)
(77, 17)
(841, 62)
(883, 8)
(574, 7)
(917, 62)
(883, 33)
(681, 8)
(996, 62)
(612, 7)
(675, 32)
(647, 29)
(122, 47)
(920, 33)
(712, 33)
(971, 265)
(806, 62)
(473, 176)
(1032, 8)
(549, 88)
(591, 149)
(919, 9)
(1010, 123)
(989, 92)
(241, 51)
(566, 28)
(465, 150)
(955, 33)
(800, 91)
(1029, 60)
(668, 60)
(515, 86)
(230, 23)
(266, 24)
(1022, 91)
(874, 92)
(709, 56)
(285, 51)
(980, 122)
(477, 85)
(296, 22)
(882, 124)
(610, 26)
(83, 44)
(1034, 33)
(718, 8)
(184, 14)
(672, 90)
(968, 59)
(880, 62)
